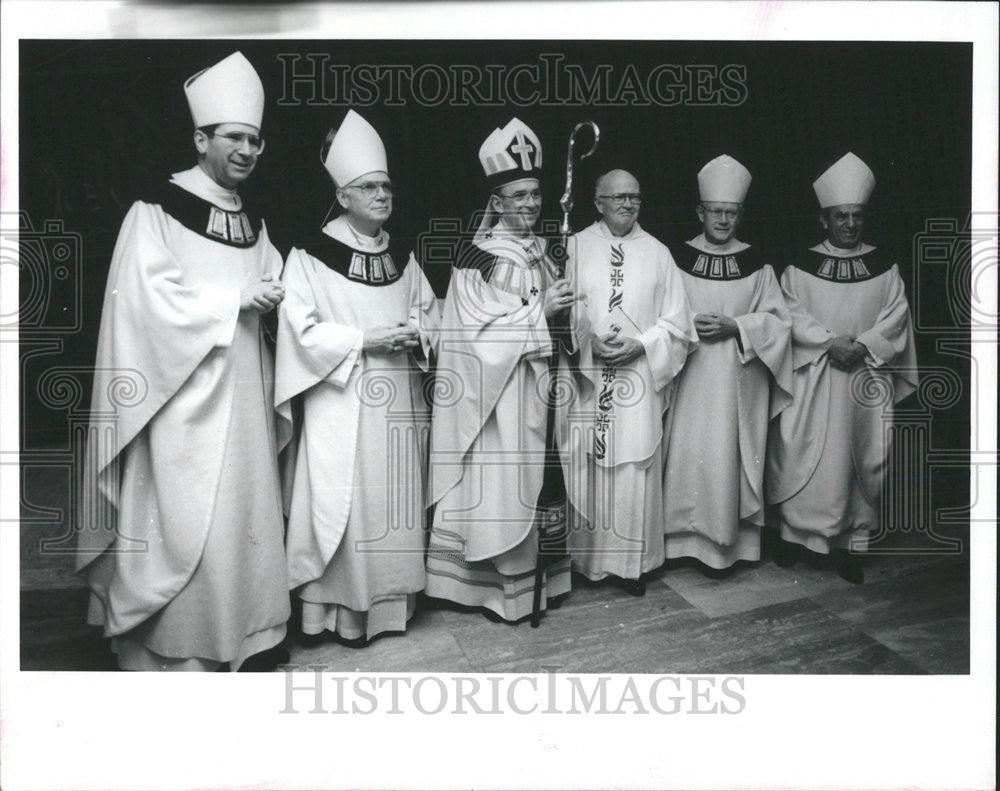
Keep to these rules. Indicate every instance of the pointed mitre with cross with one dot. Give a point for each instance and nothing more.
(230, 92)
(511, 154)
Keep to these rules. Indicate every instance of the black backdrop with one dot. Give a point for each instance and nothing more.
(101, 120)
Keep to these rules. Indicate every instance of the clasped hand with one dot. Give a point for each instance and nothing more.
(845, 353)
(713, 327)
(615, 351)
(388, 340)
(262, 296)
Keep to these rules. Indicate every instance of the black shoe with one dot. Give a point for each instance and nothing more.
(312, 640)
(266, 661)
(849, 566)
(351, 642)
(493, 617)
(554, 604)
(786, 554)
(634, 587)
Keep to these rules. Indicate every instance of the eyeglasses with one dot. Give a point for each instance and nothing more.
(718, 214)
(521, 196)
(620, 197)
(237, 139)
(370, 188)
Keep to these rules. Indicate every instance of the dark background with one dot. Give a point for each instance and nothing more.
(102, 120)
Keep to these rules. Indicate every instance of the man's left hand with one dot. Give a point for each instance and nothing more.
(715, 327)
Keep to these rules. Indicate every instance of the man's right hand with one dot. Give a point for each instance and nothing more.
(558, 297)
(389, 340)
(262, 296)
(844, 354)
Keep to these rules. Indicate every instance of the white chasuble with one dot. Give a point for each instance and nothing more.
(632, 283)
(827, 452)
(181, 539)
(488, 437)
(355, 480)
(724, 398)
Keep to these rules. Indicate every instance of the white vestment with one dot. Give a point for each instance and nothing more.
(488, 436)
(356, 532)
(181, 534)
(725, 396)
(618, 429)
(827, 452)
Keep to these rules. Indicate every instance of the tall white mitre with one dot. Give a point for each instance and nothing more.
(723, 180)
(356, 149)
(230, 92)
(847, 181)
(511, 154)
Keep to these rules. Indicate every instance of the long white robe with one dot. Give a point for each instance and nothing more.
(488, 434)
(181, 530)
(356, 525)
(617, 477)
(724, 398)
(827, 453)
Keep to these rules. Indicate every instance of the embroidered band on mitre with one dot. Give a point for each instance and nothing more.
(511, 154)
(230, 92)
(356, 149)
(846, 181)
(723, 180)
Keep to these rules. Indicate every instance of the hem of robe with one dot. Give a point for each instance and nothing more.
(598, 563)
(855, 540)
(688, 544)
(597, 574)
(133, 655)
(390, 614)
(479, 584)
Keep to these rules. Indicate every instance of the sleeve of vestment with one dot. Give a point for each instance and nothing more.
(765, 334)
(424, 315)
(810, 339)
(673, 336)
(310, 348)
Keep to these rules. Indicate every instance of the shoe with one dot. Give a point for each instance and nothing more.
(849, 567)
(351, 642)
(266, 661)
(634, 587)
(786, 554)
(312, 640)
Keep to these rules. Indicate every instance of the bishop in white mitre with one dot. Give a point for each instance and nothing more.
(355, 338)
(181, 536)
(738, 379)
(853, 360)
(497, 473)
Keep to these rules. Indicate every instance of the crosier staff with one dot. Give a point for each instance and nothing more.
(566, 201)
(552, 538)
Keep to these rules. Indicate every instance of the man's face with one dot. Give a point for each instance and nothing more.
(616, 202)
(844, 224)
(518, 203)
(228, 163)
(368, 200)
(719, 220)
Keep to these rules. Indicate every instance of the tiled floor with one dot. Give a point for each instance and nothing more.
(911, 616)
